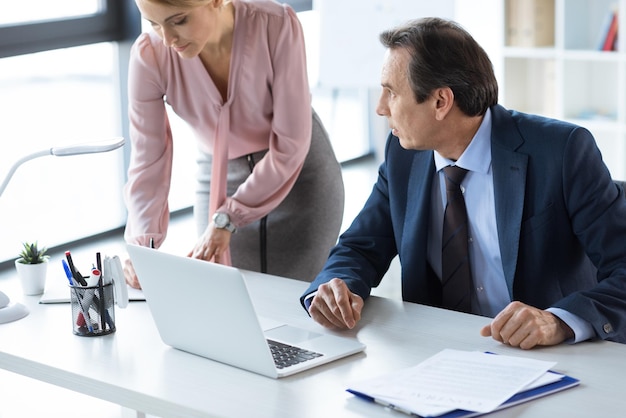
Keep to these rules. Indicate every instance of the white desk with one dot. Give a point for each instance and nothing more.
(133, 368)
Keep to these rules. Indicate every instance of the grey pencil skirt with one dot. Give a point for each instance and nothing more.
(294, 239)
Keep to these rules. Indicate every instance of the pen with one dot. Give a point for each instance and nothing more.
(94, 284)
(101, 305)
(68, 272)
(83, 316)
(94, 278)
(98, 302)
(87, 301)
(75, 273)
(98, 261)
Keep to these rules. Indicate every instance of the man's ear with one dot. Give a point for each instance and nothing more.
(444, 100)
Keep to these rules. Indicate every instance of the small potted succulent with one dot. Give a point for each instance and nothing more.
(32, 266)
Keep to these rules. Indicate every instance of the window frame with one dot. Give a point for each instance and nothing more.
(119, 21)
(300, 5)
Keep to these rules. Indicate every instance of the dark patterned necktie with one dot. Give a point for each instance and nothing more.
(456, 276)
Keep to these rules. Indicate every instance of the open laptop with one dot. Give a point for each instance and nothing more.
(205, 309)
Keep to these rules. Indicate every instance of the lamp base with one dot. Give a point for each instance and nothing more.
(10, 312)
(13, 312)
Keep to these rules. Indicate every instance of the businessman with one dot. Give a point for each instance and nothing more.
(539, 241)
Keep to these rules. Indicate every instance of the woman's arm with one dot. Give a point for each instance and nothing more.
(146, 191)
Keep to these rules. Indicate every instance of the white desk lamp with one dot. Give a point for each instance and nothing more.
(14, 311)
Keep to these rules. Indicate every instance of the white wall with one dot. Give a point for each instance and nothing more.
(350, 53)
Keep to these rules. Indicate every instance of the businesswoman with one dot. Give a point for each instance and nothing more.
(269, 184)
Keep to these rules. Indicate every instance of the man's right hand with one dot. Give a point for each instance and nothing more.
(335, 306)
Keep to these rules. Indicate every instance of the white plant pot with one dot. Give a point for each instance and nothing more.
(32, 277)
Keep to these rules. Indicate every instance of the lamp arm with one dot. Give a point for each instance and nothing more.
(19, 163)
(85, 148)
(88, 147)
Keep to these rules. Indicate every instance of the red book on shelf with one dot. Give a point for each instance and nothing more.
(611, 35)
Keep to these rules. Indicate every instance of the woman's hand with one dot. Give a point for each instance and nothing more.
(130, 276)
(212, 244)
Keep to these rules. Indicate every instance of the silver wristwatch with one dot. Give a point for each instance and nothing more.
(222, 221)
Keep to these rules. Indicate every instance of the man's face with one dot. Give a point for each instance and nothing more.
(413, 123)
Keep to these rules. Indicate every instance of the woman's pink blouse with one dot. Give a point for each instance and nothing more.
(268, 107)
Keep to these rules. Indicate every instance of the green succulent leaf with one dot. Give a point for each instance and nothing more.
(32, 254)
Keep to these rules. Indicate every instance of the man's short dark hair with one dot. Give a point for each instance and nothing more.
(443, 54)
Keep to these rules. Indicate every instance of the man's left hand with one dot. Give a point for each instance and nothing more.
(523, 326)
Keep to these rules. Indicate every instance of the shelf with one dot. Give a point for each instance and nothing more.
(571, 78)
(531, 85)
(599, 56)
(518, 52)
(590, 90)
(585, 22)
(529, 23)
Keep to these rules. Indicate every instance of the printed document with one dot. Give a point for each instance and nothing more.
(453, 379)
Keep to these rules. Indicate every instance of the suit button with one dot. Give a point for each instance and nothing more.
(607, 328)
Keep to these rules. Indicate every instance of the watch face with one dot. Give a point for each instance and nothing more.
(221, 220)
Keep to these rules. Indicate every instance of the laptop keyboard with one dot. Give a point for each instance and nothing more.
(286, 355)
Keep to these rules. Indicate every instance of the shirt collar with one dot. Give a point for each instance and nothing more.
(477, 155)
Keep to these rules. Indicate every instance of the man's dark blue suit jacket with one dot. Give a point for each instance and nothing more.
(561, 223)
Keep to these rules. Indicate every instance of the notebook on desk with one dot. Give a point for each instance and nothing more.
(205, 309)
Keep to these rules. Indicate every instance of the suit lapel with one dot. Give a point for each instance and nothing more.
(415, 229)
(509, 183)
(418, 197)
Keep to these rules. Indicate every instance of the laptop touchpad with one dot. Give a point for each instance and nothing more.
(289, 334)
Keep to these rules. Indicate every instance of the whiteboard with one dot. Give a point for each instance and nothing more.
(350, 54)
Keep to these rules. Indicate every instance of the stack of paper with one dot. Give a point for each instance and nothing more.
(456, 383)
(57, 291)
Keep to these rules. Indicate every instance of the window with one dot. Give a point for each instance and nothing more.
(40, 25)
(45, 10)
(62, 77)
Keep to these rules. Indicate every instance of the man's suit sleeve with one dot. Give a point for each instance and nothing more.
(597, 209)
(365, 250)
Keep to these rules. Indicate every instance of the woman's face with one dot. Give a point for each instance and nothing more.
(186, 30)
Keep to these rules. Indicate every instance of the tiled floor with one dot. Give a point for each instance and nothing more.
(22, 397)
